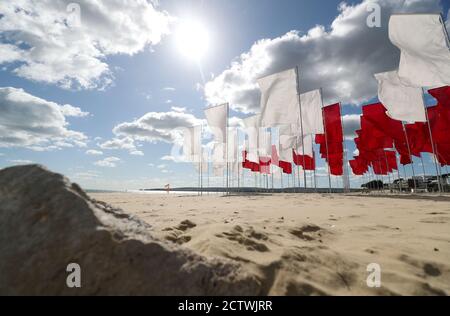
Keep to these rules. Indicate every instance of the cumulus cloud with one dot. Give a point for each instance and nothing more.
(341, 58)
(137, 153)
(35, 123)
(94, 152)
(68, 110)
(155, 127)
(110, 162)
(50, 42)
(351, 123)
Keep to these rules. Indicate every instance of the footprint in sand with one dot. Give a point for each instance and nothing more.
(249, 238)
(307, 232)
(176, 234)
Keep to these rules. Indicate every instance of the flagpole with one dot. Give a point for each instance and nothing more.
(410, 156)
(344, 158)
(423, 167)
(208, 164)
(432, 142)
(226, 133)
(301, 122)
(398, 173)
(314, 159)
(387, 167)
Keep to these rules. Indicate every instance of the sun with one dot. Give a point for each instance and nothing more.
(192, 40)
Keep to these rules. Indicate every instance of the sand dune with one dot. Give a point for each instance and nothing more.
(310, 244)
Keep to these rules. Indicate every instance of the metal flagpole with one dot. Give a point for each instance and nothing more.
(387, 168)
(398, 173)
(201, 161)
(423, 167)
(226, 149)
(326, 141)
(344, 158)
(208, 163)
(314, 159)
(432, 143)
(301, 122)
(410, 156)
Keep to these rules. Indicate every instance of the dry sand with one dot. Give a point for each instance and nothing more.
(310, 244)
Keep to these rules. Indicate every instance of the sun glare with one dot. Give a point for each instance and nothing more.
(192, 40)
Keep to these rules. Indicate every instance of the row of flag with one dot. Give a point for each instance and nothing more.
(289, 123)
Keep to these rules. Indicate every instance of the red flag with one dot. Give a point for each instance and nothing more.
(334, 152)
(286, 166)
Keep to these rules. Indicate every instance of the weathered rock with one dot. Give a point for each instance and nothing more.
(46, 223)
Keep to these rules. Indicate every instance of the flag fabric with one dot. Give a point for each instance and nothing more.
(286, 167)
(247, 164)
(402, 102)
(359, 166)
(275, 160)
(192, 143)
(424, 46)
(440, 123)
(331, 144)
(232, 145)
(311, 108)
(251, 128)
(304, 154)
(265, 142)
(279, 99)
(287, 141)
(217, 121)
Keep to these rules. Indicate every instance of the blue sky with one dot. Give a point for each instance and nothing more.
(154, 76)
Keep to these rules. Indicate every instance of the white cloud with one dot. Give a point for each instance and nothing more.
(110, 162)
(341, 59)
(178, 109)
(68, 110)
(169, 89)
(126, 143)
(155, 127)
(137, 153)
(169, 102)
(35, 123)
(351, 123)
(86, 175)
(94, 152)
(49, 47)
(21, 162)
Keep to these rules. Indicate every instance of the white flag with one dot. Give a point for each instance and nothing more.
(217, 121)
(403, 103)
(192, 143)
(312, 118)
(288, 141)
(251, 129)
(204, 163)
(218, 160)
(425, 53)
(305, 146)
(265, 142)
(232, 145)
(279, 99)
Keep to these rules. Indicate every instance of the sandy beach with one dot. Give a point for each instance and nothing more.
(310, 244)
